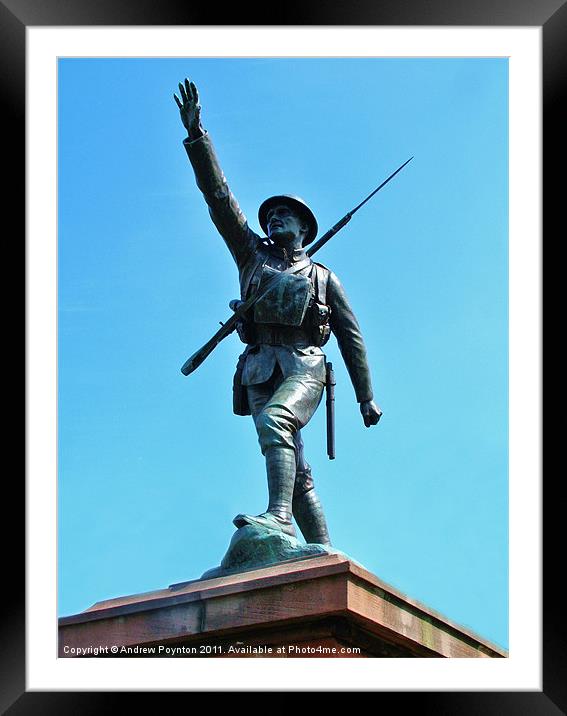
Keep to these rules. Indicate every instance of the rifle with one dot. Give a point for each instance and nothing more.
(192, 363)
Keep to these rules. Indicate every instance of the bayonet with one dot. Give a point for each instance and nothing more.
(348, 216)
(330, 386)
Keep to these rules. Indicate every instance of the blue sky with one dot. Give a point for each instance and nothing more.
(153, 465)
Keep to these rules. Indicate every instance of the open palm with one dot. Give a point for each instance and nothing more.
(189, 108)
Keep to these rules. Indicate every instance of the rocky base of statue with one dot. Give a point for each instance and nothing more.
(254, 546)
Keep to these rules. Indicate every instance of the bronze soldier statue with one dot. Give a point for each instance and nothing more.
(281, 374)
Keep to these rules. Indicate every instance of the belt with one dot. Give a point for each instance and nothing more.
(281, 335)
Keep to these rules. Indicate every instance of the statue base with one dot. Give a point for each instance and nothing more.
(252, 547)
(317, 606)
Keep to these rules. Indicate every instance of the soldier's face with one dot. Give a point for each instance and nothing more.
(285, 226)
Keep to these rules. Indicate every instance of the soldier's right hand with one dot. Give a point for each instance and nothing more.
(190, 109)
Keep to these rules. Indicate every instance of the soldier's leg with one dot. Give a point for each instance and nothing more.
(277, 465)
(306, 505)
(291, 406)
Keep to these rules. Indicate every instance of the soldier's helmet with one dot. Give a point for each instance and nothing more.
(297, 204)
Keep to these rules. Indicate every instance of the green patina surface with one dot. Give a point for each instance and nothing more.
(252, 547)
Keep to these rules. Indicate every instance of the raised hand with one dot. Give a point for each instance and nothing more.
(190, 109)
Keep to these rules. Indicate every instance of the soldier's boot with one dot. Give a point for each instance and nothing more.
(310, 518)
(280, 466)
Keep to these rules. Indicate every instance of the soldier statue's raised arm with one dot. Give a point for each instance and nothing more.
(281, 374)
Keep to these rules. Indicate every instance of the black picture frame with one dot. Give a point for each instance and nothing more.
(551, 16)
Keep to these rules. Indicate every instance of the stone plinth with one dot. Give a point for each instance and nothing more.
(323, 606)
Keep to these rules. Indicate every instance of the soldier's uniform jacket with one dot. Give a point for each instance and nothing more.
(274, 335)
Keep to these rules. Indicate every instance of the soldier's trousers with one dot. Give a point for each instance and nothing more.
(280, 408)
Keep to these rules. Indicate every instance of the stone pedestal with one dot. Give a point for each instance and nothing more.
(322, 606)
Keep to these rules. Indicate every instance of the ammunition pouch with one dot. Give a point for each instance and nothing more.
(315, 330)
(292, 313)
(245, 331)
(244, 328)
(240, 392)
(321, 329)
(286, 303)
